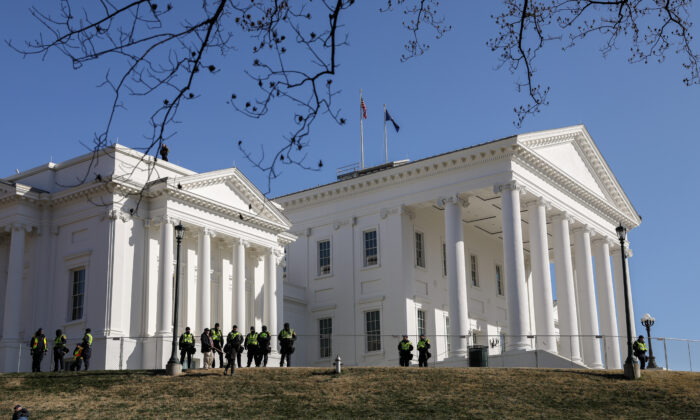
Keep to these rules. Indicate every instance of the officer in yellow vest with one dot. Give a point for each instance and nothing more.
(218, 338)
(77, 357)
(59, 350)
(251, 344)
(423, 353)
(38, 349)
(405, 348)
(286, 337)
(233, 348)
(187, 348)
(640, 350)
(264, 348)
(87, 348)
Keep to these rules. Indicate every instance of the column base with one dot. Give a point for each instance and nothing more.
(173, 369)
(652, 363)
(632, 370)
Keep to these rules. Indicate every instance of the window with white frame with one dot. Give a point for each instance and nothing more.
(325, 328)
(324, 257)
(373, 329)
(370, 248)
(420, 250)
(77, 293)
(444, 259)
(447, 332)
(475, 270)
(420, 317)
(499, 280)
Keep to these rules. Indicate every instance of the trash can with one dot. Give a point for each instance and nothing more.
(478, 356)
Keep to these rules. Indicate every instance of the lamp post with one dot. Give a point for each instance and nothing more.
(648, 321)
(631, 364)
(174, 367)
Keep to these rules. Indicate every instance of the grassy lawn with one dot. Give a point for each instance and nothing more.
(358, 392)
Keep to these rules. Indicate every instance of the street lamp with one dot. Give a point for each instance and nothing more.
(631, 364)
(648, 321)
(174, 367)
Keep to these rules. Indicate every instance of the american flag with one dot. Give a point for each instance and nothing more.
(363, 107)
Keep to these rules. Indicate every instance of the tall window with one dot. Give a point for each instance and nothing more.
(374, 340)
(420, 250)
(325, 328)
(444, 259)
(421, 322)
(475, 270)
(370, 247)
(499, 281)
(77, 293)
(447, 332)
(324, 257)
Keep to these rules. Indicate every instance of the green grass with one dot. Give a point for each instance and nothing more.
(357, 393)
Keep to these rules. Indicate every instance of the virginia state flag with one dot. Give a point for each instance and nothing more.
(387, 117)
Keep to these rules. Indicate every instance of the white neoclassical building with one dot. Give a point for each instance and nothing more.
(89, 243)
(464, 244)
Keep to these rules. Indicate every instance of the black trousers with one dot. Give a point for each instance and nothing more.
(76, 364)
(289, 359)
(58, 360)
(238, 358)
(642, 360)
(221, 356)
(404, 360)
(37, 356)
(184, 353)
(423, 359)
(252, 356)
(87, 353)
(231, 362)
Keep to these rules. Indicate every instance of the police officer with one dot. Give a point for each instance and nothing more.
(186, 346)
(251, 344)
(77, 357)
(423, 353)
(234, 342)
(640, 350)
(263, 347)
(87, 348)
(59, 350)
(286, 337)
(405, 348)
(38, 349)
(218, 338)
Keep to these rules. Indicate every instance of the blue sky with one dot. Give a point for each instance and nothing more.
(642, 117)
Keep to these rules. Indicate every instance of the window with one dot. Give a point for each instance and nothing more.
(444, 259)
(77, 293)
(421, 322)
(447, 332)
(370, 247)
(499, 281)
(475, 271)
(325, 328)
(324, 257)
(374, 341)
(420, 250)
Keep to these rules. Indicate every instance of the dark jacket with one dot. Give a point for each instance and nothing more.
(41, 343)
(23, 412)
(410, 348)
(220, 341)
(186, 346)
(264, 342)
(236, 342)
(207, 343)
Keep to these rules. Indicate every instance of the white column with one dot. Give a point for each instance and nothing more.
(542, 280)
(239, 284)
(456, 277)
(588, 312)
(165, 311)
(566, 298)
(13, 290)
(620, 300)
(606, 303)
(514, 262)
(270, 315)
(204, 271)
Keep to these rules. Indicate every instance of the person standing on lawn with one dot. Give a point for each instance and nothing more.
(59, 350)
(263, 347)
(38, 349)
(286, 337)
(251, 344)
(218, 338)
(640, 351)
(187, 347)
(405, 348)
(207, 348)
(87, 348)
(233, 348)
(423, 353)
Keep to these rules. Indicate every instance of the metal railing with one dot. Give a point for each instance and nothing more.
(381, 350)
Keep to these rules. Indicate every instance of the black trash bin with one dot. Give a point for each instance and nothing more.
(478, 356)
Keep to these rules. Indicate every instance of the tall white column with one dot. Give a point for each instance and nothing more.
(514, 261)
(588, 312)
(270, 315)
(566, 298)
(456, 277)
(205, 279)
(620, 300)
(13, 290)
(606, 303)
(542, 280)
(239, 284)
(165, 311)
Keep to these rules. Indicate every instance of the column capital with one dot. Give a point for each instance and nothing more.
(453, 199)
(509, 186)
(167, 220)
(539, 201)
(241, 241)
(563, 215)
(583, 229)
(208, 232)
(18, 226)
(601, 239)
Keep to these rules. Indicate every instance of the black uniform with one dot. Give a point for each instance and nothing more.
(405, 348)
(218, 338)
(251, 344)
(87, 348)
(640, 350)
(187, 348)
(286, 337)
(423, 353)
(59, 350)
(38, 349)
(233, 349)
(263, 347)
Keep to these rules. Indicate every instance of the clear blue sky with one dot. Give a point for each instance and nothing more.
(643, 119)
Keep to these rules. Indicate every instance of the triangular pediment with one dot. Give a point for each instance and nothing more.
(229, 188)
(572, 151)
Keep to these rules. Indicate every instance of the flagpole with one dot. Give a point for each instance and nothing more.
(362, 138)
(386, 149)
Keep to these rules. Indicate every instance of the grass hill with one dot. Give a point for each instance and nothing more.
(357, 393)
